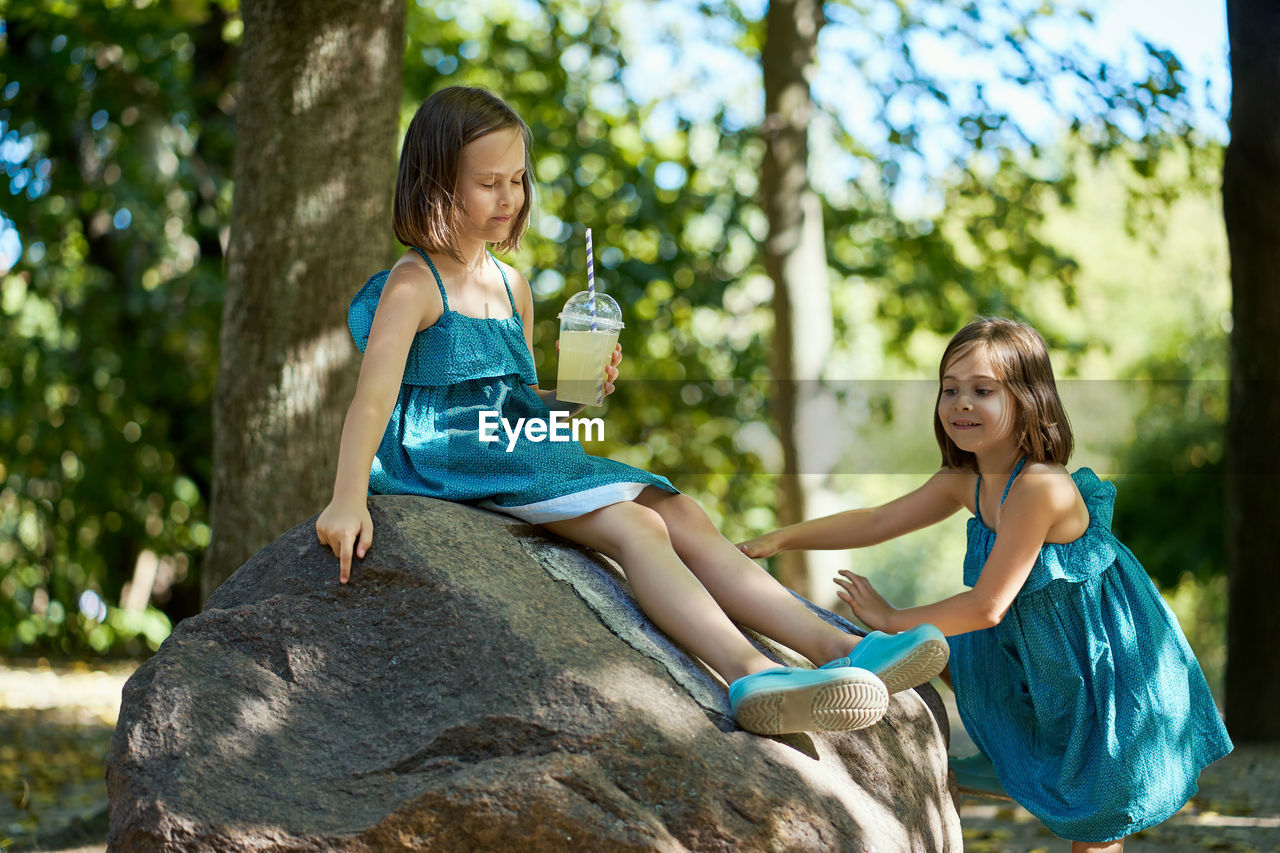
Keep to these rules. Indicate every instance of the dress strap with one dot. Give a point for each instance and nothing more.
(436, 273)
(1017, 469)
(505, 283)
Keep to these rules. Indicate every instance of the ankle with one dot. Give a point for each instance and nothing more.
(741, 669)
(838, 647)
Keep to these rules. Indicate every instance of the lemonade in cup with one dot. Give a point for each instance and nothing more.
(587, 341)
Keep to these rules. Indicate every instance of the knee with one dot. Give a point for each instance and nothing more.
(637, 526)
(687, 522)
(682, 512)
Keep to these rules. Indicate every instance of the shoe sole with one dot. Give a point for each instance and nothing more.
(853, 702)
(921, 664)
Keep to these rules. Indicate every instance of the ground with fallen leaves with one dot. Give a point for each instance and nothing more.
(56, 723)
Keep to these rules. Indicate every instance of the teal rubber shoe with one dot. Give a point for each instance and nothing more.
(902, 661)
(790, 699)
(975, 774)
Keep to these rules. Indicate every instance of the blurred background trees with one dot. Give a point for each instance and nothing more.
(116, 126)
(967, 157)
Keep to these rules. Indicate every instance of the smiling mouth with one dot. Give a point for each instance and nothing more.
(965, 424)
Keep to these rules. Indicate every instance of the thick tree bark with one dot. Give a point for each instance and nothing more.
(1250, 187)
(795, 258)
(314, 174)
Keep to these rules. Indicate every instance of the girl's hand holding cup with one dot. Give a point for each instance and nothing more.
(611, 370)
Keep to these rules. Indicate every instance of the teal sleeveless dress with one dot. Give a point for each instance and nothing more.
(458, 368)
(1086, 697)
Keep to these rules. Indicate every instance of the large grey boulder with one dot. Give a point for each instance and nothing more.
(480, 686)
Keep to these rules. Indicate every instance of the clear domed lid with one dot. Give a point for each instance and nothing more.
(577, 312)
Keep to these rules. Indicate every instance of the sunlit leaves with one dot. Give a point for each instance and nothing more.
(115, 145)
(110, 316)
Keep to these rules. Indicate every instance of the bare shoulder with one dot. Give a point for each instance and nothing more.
(1049, 485)
(520, 289)
(1048, 481)
(411, 287)
(1046, 487)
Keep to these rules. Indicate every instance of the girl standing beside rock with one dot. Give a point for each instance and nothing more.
(1071, 674)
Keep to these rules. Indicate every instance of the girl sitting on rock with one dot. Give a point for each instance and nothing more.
(447, 334)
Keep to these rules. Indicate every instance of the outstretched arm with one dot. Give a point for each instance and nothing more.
(345, 525)
(938, 498)
(1034, 506)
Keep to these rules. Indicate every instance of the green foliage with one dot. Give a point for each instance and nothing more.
(1171, 510)
(108, 323)
(1154, 297)
(972, 241)
(118, 144)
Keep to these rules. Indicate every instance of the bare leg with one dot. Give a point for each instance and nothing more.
(748, 594)
(1097, 846)
(636, 537)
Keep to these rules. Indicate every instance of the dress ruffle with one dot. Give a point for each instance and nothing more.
(457, 370)
(439, 356)
(1074, 562)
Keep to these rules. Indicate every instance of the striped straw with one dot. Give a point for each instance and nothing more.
(591, 282)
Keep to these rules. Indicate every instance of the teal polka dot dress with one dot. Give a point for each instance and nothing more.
(457, 369)
(1086, 696)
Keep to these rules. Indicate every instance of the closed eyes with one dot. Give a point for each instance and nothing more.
(981, 392)
(517, 181)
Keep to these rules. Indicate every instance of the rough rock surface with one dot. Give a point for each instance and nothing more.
(479, 686)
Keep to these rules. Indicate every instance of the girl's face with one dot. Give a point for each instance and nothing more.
(976, 409)
(491, 184)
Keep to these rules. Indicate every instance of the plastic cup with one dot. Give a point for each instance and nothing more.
(586, 347)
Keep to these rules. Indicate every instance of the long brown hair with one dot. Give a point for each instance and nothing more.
(427, 212)
(1021, 360)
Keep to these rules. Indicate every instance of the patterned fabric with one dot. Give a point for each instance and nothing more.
(458, 368)
(1086, 696)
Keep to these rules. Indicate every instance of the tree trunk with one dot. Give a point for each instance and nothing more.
(795, 258)
(1250, 186)
(314, 174)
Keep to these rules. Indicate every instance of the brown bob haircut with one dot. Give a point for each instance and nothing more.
(1021, 359)
(427, 212)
